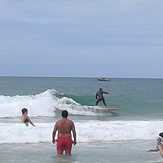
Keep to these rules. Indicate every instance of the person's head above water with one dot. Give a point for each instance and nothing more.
(65, 113)
(24, 110)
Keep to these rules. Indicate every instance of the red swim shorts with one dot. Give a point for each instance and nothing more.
(64, 143)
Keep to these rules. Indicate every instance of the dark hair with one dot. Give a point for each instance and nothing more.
(65, 113)
(24, 110)
(161, 134)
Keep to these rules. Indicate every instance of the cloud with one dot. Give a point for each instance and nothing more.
(96, 37)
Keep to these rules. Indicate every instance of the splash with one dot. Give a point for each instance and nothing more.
(87, 131)
(44, 104)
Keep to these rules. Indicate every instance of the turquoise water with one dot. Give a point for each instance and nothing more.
(134, 97)
(130, 131)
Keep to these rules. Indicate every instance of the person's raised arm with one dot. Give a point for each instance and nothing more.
(106, 92)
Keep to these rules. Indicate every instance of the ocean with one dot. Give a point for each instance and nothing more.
(123, 135)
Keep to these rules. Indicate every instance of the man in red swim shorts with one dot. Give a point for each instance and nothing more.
(64, 127)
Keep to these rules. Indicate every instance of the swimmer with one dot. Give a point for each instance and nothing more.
(25, 119)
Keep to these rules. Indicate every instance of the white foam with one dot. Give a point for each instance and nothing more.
(89, 131)
(38, 105)
(43, 104)
(117, 130)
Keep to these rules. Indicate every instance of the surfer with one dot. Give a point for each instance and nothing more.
(25, 119)
(64, 127)
(159, 146)
(100, 97)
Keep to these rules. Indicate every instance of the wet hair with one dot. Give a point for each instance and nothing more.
(100, 89)
(24, 110)
(65, 113)
(161, 134)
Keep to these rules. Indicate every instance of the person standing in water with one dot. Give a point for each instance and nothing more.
(64, 127)
(25, 119)
(100, 97)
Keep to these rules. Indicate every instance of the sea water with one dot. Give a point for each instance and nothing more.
(124, 135)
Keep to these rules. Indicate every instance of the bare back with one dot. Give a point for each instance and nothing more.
(64, 126)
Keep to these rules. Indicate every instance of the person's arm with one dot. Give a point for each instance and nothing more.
(31, 122)
(106, 92)
(74, 133)
(96, 95)
(153, 150)
(54, 133)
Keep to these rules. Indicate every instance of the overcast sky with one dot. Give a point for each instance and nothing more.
(81, 38)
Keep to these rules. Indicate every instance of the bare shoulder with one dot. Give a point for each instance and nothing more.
(64, 121)
(70, 121)
(60, 120)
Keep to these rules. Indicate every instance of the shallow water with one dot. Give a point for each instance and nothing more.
(110, 152)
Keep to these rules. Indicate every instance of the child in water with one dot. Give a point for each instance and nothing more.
(25, 119)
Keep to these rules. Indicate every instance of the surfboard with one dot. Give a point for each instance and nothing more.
(107, 109)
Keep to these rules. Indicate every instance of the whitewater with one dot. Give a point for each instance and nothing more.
(131, 130)
(92, 125)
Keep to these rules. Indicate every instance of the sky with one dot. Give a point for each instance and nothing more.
(81, 38)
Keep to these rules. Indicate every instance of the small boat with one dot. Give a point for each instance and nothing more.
(104, 79)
